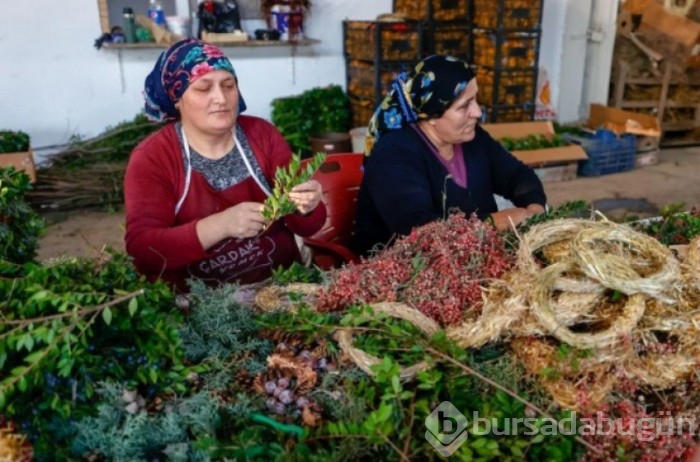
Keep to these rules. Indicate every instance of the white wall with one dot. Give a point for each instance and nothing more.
(578, 37)
(55, 84)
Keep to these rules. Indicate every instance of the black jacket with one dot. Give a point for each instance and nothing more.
(403, 185)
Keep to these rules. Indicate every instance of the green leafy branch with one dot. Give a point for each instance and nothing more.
(278, 204)
(28, 333)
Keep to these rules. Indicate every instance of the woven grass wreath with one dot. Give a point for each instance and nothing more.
(550, 319)
(365, 361)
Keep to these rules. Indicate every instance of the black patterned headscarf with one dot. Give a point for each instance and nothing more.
(177, 67)
(426, 93)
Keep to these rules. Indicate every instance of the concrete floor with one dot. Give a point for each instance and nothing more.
(640, 192)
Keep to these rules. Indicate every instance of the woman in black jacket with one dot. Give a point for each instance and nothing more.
(430, 157)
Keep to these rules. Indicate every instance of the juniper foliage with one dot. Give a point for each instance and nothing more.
(117, 435)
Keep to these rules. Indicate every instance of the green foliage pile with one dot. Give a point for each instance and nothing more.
(73, 323)
(77, 335)
(674, 226)
(13, 141)
(318, 110)
(20, 226)
(71, 402)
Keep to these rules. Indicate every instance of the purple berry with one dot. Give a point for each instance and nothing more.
(305, 355)
(286, 397)
(270, 403)
(283, 382)
(270, 387)
(276, 392)
(303, 401)
(322, 364)
(279, 409)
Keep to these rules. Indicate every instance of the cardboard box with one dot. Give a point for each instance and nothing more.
(550, 164)
(536, 157)
(20, 161)
(681, 30)
(620, 121)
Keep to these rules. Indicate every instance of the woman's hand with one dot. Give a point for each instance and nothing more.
(245, 220)
(306, 196)
(517, 215)
(241, 221)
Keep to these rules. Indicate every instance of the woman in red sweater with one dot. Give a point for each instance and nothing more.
(194, 189)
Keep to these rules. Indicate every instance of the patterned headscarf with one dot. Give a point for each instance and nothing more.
(424, 94)
(176, 68)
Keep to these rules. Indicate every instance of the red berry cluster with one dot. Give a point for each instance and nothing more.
(628, 427)
(439, 268)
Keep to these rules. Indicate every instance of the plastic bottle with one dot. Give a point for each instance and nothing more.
(155, 12)
(129, 25)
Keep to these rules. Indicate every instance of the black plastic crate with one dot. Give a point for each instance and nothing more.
(434, 10)
(383, 41)
(516, 113)
(449, 38)
(607, 152)
(369, 81)
(505, 87)
(507, 14)
(506, 50)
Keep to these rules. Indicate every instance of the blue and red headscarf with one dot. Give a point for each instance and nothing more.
(176, 68)
(426, 93)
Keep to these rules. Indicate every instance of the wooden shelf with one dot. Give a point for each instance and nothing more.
(649, 104)
(238, 44)
(688, 141)
(676, 105)
(661, 106)
(633, 104)
(680, 126)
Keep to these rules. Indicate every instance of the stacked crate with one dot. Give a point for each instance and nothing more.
(505, 49)
(446, 25)
(375, 52)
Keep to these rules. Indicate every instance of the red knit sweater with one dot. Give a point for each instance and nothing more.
(165, 245)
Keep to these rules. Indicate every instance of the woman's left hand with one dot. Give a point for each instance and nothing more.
(306, 196)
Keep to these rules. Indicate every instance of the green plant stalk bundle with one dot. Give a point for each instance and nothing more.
(278, 204)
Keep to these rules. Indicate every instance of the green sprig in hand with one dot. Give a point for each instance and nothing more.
(278, 204)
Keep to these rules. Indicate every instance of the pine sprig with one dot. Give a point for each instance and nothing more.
(279, 205)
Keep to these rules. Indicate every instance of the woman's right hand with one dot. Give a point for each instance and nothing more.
(241, 221)
(244, 220)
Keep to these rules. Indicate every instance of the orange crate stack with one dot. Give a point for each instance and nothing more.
(507, 14)
(433, 10)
